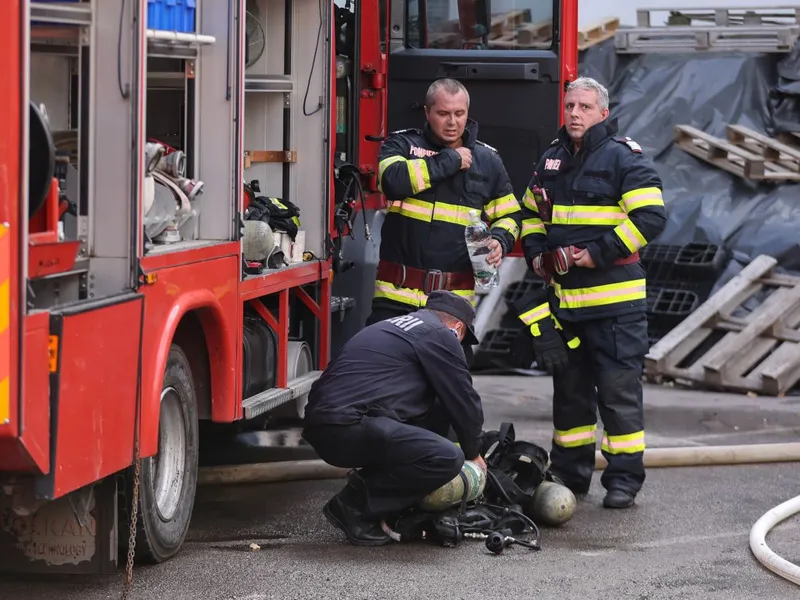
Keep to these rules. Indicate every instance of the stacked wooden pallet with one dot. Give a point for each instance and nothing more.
(514, 30)
(756, 351)
(745, 152)
(599, 32)
(699, 29)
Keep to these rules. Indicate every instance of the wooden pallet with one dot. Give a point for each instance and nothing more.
(722, 17)
(522, 34)
(790, 138)
(770, 149)
(741, 161)
(599, 32)
(640, 40)
(700, 29)
(504, 22)
(759, 352)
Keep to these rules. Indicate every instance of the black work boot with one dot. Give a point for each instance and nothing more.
(618, 499)
(345, 511)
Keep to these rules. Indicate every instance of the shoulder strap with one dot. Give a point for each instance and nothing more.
(635, 148)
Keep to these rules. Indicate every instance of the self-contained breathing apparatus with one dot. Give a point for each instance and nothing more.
(508, 507)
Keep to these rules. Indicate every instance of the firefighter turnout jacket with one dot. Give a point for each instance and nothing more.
(607, 199)
(398, 368)
(423, 247)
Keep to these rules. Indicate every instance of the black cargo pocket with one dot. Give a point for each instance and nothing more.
(630, 336)
(593, 188)
(476, 189)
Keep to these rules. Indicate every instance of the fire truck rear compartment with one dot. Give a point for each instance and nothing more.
(104, 326)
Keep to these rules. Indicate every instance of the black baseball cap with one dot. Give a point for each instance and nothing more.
(456, 306)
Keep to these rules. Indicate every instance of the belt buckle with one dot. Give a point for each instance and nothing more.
(433, 277)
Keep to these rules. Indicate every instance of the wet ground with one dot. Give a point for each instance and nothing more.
(687, 537)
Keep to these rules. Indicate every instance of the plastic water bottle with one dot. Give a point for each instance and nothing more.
(478, 238)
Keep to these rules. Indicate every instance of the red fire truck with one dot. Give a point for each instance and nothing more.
(180, 181)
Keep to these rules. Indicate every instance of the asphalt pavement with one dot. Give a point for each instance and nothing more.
(686, 538)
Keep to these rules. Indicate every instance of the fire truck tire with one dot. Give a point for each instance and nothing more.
(168, 480)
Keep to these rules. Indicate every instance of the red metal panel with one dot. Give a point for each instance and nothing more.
(94, 392)
(36, 418)
(372, 102)
(210, 288)
(309, 272)
(325, 323)
(11, 150)
(283, 338)
(568, 50)
(186, 257)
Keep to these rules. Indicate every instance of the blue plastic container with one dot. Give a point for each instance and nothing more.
(187, 11)
(171, 15)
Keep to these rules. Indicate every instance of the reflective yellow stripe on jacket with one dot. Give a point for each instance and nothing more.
(423, 210)
(418, 173)
(412, 297)
(627, 231)
(601, 295)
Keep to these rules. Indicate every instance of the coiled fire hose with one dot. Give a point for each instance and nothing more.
(758, 541)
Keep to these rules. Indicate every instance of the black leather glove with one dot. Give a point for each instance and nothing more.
(550, 348)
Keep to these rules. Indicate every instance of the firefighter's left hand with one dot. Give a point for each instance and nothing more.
(496, 254)
(583, 259)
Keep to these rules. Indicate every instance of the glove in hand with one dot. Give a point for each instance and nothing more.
(549, 348)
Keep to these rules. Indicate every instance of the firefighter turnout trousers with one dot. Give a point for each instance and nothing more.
(400, 463)
(604, 372)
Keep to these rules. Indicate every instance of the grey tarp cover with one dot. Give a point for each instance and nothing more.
(651, 93)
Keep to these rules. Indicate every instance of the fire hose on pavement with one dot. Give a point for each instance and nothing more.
(692, 456)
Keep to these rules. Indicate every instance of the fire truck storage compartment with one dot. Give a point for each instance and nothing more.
(92, 437)
(57, 138)
(286, 115)
(190, 107)
(260, 358)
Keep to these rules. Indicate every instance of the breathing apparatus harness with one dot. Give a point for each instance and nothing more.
(514, 471)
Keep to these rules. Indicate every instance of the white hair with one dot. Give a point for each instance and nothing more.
(587, 83)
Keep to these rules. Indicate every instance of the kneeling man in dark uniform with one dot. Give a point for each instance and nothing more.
(384, 407)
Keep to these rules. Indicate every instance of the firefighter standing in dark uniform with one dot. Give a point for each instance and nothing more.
(383, 406)
(431, 179)
(594, 201)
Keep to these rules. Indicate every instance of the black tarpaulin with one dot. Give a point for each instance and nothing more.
(651, 93)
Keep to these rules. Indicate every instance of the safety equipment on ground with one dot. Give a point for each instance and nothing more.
(515, 469)
(496, 542)
(549, 347)
(552, 504)
(467, 485)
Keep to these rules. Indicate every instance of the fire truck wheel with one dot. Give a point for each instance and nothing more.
(168, 480)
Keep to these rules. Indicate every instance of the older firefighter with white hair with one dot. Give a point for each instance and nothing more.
(593, 202)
